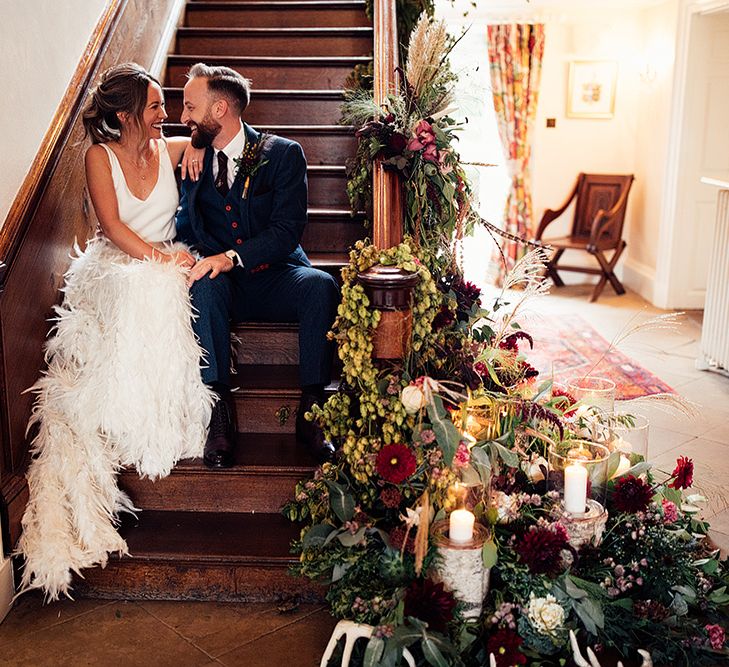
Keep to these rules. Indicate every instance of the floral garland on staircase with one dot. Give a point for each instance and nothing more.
(464, 405)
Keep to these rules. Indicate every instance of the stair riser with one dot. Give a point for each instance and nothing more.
(324, 149)
(286, 110)
(268, 347)
(328, 191)
(315, 17)
(320, 148)
(260, 414)
(213, 491)
(275, 45)
(144, 579)
(325, 237)
(278, 76)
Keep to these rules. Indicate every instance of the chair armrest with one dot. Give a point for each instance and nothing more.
(605, 219)
(550, 214)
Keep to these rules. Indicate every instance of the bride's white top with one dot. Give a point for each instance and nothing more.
(152, 218)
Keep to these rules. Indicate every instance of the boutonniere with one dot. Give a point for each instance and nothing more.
(250, 161)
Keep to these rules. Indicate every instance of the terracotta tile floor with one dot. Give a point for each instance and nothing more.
(89, 632)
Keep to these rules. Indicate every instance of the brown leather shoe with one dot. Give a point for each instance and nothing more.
(220, 443)
(310, 434)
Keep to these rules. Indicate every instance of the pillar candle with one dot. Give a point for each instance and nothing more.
(460, 528)
(575, 488)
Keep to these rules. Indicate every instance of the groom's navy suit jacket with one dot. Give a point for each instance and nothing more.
(265, 228)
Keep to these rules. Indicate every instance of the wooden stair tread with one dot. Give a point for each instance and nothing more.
(226, 537)
(180, 128)
(264, 93)
(193, 31)
(184, 59)
(277, 4)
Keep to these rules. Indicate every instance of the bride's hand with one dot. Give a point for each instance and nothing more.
(182, 258)
(192, 160)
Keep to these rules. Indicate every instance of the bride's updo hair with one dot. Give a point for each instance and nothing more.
(123, 88)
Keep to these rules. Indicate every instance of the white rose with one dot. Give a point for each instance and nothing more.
(413, 399)
(545, 614)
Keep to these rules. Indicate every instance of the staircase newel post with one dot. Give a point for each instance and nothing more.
(387, 214)
(389, 288)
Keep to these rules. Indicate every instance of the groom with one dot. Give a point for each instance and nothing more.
(245, 218)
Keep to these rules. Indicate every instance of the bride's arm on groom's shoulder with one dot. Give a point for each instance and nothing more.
(103, 197)
(190, 159)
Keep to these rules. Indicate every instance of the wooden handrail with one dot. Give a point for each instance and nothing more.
(387, 211)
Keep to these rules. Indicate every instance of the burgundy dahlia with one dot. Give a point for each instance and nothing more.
(683, 474)
(540, 548)
(631, 494)
(430, 602)
(504, 645)
(395, 463)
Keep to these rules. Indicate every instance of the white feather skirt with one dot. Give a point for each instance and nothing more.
(122, 388)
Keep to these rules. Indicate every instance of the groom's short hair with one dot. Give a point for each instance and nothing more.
(224, 82)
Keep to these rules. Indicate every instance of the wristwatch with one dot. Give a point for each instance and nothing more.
(232, 255)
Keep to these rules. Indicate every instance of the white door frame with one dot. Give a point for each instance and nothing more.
(669, 255)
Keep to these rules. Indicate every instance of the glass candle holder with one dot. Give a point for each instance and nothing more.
(629, 436)
(594, 391)
(578, 471)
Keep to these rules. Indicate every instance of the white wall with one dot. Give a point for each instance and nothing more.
(640, 37)
(41, 43)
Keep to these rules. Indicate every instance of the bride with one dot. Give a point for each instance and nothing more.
(123, 383)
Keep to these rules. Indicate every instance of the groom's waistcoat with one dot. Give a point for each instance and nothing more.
(222, 215)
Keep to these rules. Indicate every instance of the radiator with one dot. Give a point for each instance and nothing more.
(715, 331)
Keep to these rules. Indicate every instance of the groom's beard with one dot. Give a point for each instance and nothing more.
(204, 133)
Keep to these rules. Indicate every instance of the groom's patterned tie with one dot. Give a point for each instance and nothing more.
(221, 182)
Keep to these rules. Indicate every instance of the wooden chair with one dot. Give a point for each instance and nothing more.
(597, 227)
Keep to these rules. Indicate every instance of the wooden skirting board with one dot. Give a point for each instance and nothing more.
(51, 211)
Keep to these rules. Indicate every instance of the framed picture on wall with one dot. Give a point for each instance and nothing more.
(591, 89)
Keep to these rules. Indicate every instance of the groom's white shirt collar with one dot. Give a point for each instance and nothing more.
(232, 150)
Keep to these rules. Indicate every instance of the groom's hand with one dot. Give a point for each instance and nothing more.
(213, 265)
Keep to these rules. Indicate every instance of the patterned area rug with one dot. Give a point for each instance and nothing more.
(569, 347)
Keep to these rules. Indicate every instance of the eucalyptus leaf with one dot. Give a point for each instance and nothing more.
(341, 502)
(445, 431)
(349, 540)
(432, 653)
(339, 570)
(373, 652)
(510, 457)
(679, 605)
(481, 461)
(316, 535)
(489, 554)
(573, 590)
(590, 613)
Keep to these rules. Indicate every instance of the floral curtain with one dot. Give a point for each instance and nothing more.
(515, 60)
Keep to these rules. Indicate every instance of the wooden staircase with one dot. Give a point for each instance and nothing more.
(218, 534)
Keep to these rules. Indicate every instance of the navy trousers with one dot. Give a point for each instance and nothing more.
(279, 294)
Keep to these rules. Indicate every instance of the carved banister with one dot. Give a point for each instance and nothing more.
(387, 214)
